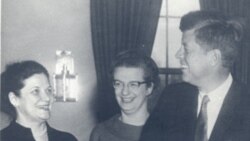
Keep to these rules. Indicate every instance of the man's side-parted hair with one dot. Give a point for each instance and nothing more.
(214, 30)
(136, 59)
(12, 81)
(194, 18)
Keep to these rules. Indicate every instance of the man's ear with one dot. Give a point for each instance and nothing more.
(214, 56)
(150, 88)
(13, 99)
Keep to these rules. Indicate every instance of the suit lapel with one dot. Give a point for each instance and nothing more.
(194, 112)
(226, 114)
(190, 99)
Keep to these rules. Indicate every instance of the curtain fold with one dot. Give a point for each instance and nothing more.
(118, 25)
(238, 9)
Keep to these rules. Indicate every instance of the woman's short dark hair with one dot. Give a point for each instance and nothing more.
(12, 81)
(136, 59)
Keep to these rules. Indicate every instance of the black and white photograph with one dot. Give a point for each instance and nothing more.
(125, 70)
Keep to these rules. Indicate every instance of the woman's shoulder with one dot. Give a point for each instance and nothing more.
(6, 132)
(103, 128)
(15, 132)
(13, 128)
(100, 127)
(97, 132)
(60, 135)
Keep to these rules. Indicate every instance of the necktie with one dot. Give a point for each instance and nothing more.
(201, 125)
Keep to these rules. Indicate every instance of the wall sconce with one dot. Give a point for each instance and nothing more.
(65, 79)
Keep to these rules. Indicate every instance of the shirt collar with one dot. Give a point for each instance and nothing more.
(221, 91)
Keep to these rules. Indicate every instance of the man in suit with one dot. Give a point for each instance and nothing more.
(211, 106)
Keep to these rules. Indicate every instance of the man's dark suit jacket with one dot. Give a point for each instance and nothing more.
(174, 117)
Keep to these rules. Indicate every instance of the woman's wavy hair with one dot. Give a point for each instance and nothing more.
(12, 81)
(136, 59)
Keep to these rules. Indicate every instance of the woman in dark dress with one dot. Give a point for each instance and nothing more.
(134, 75)
(27, 96)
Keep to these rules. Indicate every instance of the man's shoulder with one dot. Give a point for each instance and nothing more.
(240, 89)
(181, 85)
(175, 95)
(179, 89)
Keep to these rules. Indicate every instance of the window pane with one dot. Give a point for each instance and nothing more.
(174, 41)
(159, 48)
(163, 8)
(181, 7)
(168, 35)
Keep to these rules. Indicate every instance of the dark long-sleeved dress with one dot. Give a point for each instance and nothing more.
(16, 132)
(115, 130)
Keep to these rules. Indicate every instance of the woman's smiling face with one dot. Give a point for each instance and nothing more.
(131, 96)
(35, 99)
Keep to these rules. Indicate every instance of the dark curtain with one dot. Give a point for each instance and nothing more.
(239, 10)
(119, 25)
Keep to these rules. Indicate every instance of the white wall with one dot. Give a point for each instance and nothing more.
(35, 29)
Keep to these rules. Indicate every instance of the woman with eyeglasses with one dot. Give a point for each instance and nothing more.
(27, 96)
(134, 77)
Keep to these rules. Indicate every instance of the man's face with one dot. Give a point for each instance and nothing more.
(193, 59)
(130, 95)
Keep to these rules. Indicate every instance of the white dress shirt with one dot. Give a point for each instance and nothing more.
(216, 98)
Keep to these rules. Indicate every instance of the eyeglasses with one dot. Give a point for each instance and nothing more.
(132, 86)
